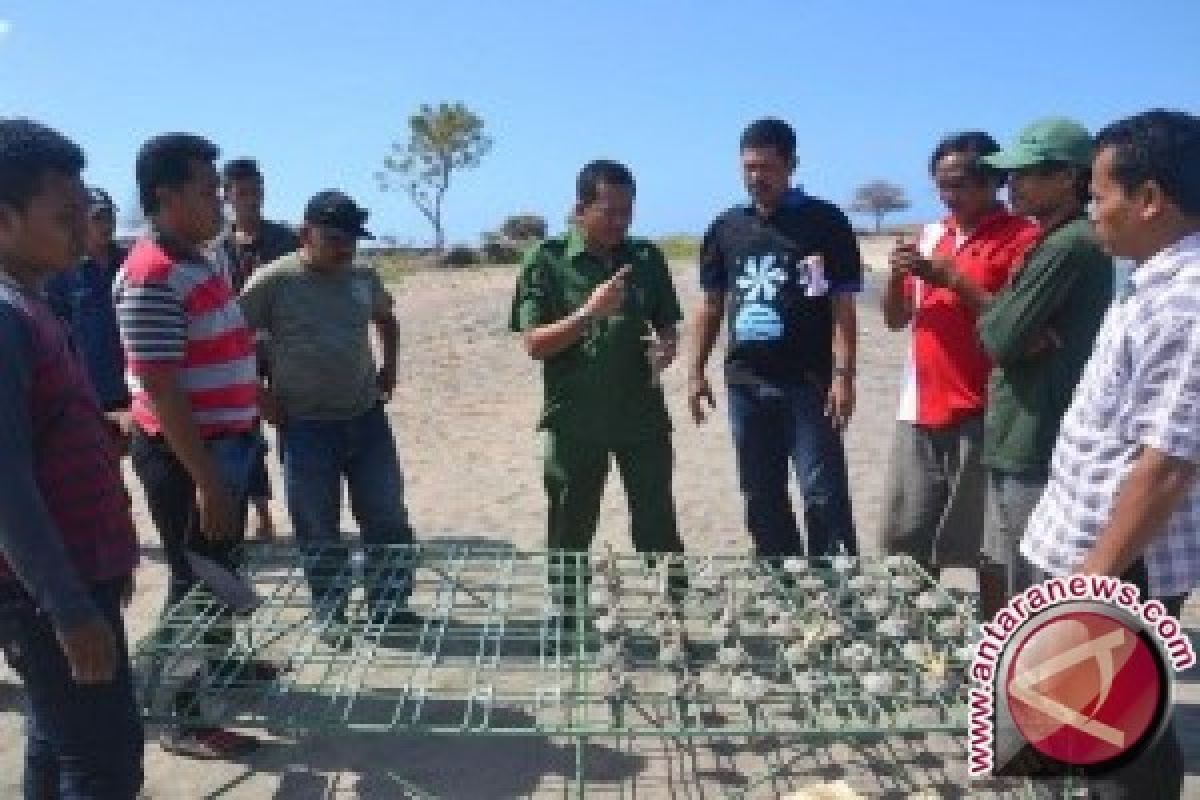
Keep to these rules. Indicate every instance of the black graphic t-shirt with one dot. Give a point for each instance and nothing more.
(779, 275)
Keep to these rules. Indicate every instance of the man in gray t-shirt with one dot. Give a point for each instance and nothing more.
(315, 308)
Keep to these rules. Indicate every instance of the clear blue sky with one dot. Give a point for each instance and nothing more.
(317, 90)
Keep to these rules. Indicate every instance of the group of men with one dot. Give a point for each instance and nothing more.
(1048, 427)
(1045, 429)
(173, 352)
(599, 309)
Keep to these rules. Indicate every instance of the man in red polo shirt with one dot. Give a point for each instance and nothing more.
(938, 487)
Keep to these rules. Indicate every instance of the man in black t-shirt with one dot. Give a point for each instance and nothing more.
(785, 270)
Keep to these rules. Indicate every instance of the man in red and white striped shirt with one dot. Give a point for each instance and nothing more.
(936, 492)
(191, 368)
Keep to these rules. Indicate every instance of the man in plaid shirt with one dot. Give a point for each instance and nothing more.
(1123, 474)
(1123, 498)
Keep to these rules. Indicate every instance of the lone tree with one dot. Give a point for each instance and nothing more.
(879, 198)
(441, 141)
(524, 227)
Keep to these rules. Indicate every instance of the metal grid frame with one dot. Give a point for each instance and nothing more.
(502, 650)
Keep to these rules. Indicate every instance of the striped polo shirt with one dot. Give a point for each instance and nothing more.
(177, 311)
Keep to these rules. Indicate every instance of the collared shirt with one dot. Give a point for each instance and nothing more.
(1065, 286)
(64, 514)
(947, 368)
(176, 310)
(1141, 388)
(82, 298)
(600, 387)
(779, 275)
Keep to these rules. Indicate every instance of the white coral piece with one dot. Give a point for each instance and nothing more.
(608, 624)
(732, 657)
(796, 654)
(842, 563)
(916, 651)
(748, 688)
(875, 604)
(806, 682)
(782, 626)
(861, 582)
(895, 627)
(809, 583)
(857, 656)
(878, 682)
(671, 653)
(931, 601)
(771, 607)
(795, 566)
(951, 628)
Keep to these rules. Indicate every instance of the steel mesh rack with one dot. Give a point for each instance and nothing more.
(568, 644)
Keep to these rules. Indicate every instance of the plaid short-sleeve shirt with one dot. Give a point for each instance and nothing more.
(1141, 388)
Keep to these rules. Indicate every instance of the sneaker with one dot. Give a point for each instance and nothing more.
(208, 743)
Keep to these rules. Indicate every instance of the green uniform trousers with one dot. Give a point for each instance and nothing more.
(575, 470)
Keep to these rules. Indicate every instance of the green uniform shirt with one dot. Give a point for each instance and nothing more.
(1065, 285)
(600, 387)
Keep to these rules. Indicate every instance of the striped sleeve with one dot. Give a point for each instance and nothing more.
(153, 324)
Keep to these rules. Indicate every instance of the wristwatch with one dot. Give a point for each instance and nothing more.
(846, 371)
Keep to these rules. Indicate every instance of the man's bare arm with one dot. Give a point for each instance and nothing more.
(896, 305)
(706, 329)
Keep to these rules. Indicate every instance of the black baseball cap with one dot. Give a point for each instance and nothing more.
(334, 209)
(99, 200)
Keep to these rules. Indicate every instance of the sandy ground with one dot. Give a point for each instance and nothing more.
(464, 417)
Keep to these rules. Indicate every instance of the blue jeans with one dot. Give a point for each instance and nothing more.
(317, 455)
(84, 741)
(772, 427)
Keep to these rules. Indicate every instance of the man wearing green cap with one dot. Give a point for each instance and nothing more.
(1039, 332)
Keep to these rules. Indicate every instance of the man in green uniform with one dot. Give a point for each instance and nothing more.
(598, 309)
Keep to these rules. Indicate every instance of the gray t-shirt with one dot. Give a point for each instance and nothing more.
(317, 328)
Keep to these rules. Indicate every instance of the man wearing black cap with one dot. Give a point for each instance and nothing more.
(82, 299)
(324, 391)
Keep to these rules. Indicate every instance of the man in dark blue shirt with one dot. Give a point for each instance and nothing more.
(785, 270)
(82, 299)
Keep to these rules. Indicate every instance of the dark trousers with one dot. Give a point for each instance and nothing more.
(171, 498)
(317, 456)
(84, 741)
(575, 470)
(773, 428)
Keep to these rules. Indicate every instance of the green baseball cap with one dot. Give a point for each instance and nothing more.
(1054, 139)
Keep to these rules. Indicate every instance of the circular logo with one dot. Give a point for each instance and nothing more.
(1086, 688)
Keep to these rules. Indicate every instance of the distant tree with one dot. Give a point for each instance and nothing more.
(441, 140)
(524, 227)
(879, 198)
